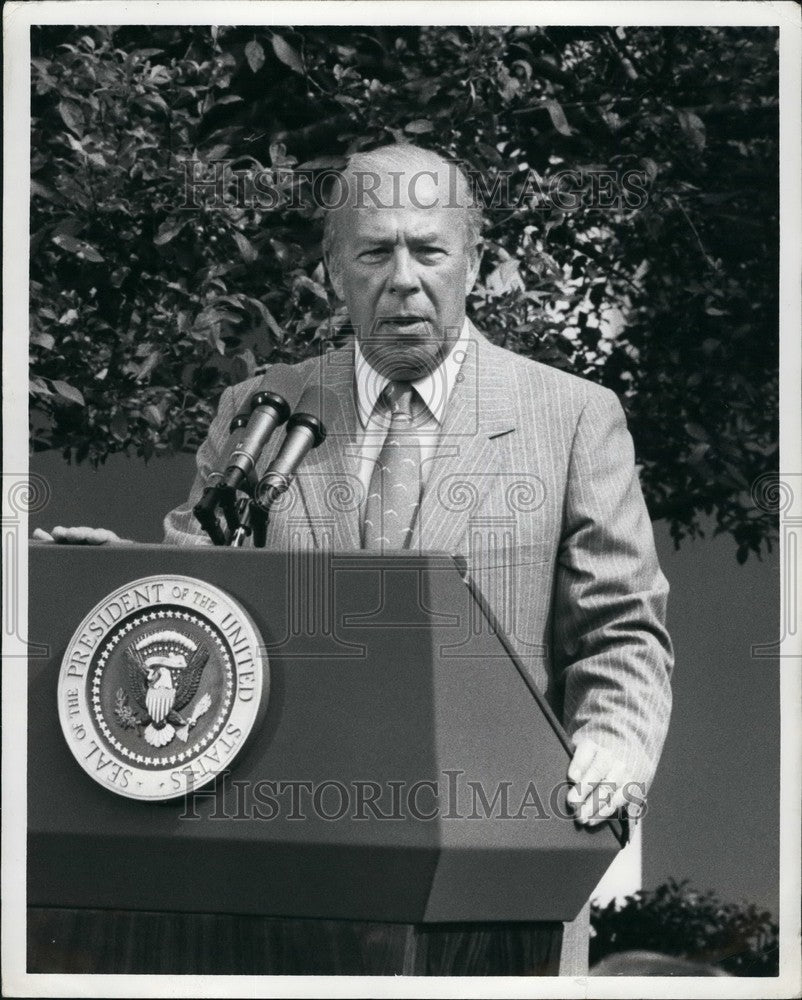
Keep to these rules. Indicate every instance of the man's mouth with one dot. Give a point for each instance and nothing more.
(404, 319)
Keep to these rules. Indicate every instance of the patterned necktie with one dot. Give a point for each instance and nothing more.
(395, 483)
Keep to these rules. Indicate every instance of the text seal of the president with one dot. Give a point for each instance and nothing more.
(160, 687)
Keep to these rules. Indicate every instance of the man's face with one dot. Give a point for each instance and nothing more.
(404, 272)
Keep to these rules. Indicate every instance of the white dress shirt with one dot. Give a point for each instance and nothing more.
(432, 390)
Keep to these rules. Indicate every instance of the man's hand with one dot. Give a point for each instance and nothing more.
(598, 783)
(80, 536)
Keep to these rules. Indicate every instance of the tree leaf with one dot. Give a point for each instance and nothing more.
(505, 277)
(43, 191)
(305, 282)
(651, 168)
(698, 452)
(287, 54)
(557, 115)
(170, 228)
(282, 252)
(155, 102)
(69, 317)
(216, 152)
(45, 340)
(279, 157)
(419, 126)
(509, 86)
(693, 127)
(255, 55)
(269, 318)
(81, 249)
(696, 431)
(524, 67)
(428, 89)
(39, 387)
(246, 248)
(612, 119)
(144, 54)
(152, 415)
(159, 75)
(148, 365)
(118, 276)
(323, 163)
(68, 392)
(72, 116)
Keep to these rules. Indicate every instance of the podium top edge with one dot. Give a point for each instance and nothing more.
(340, 555)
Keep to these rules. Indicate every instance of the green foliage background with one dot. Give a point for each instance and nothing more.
(143, 311)
(674, 919)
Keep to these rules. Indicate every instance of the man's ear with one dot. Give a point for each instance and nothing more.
(474, 262)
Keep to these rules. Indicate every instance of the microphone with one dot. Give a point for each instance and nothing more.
(239, 421)
(304, 432)
(249, 432)
(205, 510)
(268, 411)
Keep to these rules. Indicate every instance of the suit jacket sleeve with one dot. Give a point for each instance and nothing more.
(180, 526)
(612, 651)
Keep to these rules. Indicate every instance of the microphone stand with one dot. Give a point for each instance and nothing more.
(252, 520)
(217, 496)
(205, 512)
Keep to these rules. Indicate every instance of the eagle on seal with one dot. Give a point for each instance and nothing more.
(164, 671)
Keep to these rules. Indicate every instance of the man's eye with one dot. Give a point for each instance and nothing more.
(371, 256)
(431, 252)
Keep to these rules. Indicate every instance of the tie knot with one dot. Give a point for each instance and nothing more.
(398, 399)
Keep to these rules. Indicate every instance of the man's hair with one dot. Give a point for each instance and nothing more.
(404, 158)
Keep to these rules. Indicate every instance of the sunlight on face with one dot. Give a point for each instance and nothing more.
(404, 269)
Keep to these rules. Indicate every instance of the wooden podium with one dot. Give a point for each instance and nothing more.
(422, 826)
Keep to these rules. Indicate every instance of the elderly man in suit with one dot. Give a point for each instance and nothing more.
(439, 440)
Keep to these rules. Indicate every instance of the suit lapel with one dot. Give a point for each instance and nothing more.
(479, 412)
(329, 478)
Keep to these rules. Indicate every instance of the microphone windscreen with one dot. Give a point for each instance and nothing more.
(268, 411)
(305, 431)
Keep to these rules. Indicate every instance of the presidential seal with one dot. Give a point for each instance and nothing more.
(160, 687)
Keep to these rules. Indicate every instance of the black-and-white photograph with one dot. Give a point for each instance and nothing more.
(400, 558)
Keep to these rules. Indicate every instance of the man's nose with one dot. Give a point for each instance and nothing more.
(403, 278)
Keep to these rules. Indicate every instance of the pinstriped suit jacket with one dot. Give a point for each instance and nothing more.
(533, 483)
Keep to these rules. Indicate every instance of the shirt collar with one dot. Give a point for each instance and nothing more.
(434, 388)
